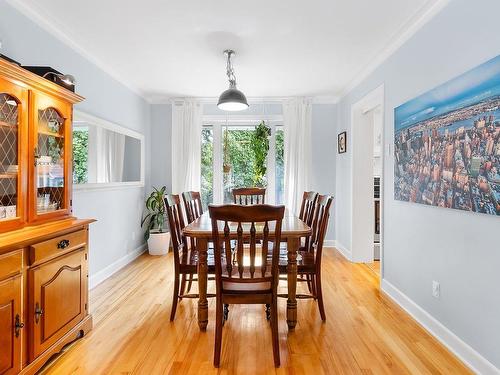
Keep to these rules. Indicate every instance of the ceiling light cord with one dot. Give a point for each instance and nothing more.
(229, 69)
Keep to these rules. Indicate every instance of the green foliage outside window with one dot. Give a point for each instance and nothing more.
(280, 166)
(247, 150)
(207, 170)
(80, 156)
(260, 148)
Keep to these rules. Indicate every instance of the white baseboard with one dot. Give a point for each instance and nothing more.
(343, 250)
(329, 243)
(114, 267)
(462, 350)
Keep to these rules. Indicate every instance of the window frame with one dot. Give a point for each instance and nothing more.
(217, 122)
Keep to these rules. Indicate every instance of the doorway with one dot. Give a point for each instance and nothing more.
(367, 117)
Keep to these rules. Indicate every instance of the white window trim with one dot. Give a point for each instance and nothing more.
(217, 122)
(108, 125)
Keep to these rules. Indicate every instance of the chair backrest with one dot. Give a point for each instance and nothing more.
(248, 196)
(192, 205)
(307, 206)
(319, 226)
(241, 227)
(176, 225)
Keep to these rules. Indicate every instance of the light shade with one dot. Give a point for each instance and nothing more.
(232, 100)
(67, 79)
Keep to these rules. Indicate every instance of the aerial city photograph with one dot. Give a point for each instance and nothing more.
(447, 144)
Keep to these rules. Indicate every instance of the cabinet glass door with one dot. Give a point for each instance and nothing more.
(9, 157)
(50, 156)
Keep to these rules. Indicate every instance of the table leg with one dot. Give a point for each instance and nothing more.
(291, 305)
(202, 247)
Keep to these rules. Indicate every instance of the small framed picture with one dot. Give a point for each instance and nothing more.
(342, 142)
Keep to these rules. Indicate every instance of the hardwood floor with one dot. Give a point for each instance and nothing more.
(365, 332)
(374, 266)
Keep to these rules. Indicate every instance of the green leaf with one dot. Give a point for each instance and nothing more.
(145, 218)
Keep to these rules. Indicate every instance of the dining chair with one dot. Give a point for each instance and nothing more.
(249, 278)
(306, 213)
(192, 205)
(249, 195)
(193, 209)
(185, 254)
(307, 206)
(309, 259)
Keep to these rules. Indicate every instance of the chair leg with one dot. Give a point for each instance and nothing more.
(313, 284)
(274, 332)
(190, 283)
(309, 283)
(226, 311)
(268, 311)
(319, 293)
(183, 284)
(218, 332)
(175, 297)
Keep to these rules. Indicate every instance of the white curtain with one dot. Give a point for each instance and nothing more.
(297, 119)
(186, 145)
(110, 150)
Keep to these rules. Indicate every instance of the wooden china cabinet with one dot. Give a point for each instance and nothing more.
(43, 248)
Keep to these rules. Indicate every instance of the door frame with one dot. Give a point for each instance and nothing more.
(361, 114)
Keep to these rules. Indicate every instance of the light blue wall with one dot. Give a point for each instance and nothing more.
(458, 249)
(161, 145)
(324, 152)
(117, 231)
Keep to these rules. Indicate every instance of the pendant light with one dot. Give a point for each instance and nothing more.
(232, 99)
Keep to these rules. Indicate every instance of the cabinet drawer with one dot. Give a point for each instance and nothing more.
(57, 246)
(11, 263)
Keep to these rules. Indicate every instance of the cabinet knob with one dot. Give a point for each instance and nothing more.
(18, 325)
(38, 312)
(63, 244)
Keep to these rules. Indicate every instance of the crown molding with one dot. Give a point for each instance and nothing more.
(50, 25)
(410, 28)
(252, 100)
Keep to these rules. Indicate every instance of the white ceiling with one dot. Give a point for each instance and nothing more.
(284, 47)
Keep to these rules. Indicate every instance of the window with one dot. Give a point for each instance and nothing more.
(228, 160)
(238, 160)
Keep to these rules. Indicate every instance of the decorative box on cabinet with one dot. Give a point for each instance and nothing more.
(43, 248)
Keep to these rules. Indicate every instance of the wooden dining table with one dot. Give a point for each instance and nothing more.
(292, 230)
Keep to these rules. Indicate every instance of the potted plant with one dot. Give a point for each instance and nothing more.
(154, 222)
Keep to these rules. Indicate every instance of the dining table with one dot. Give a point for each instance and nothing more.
(292, 230)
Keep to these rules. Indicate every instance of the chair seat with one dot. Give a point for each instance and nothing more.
(189, 262)
(305, 262)
(305, 259)
(250, 288)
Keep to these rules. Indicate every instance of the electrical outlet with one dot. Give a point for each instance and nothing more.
(436, 289)
(133, 235)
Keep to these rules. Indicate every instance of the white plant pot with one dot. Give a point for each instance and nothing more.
(158, 243)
